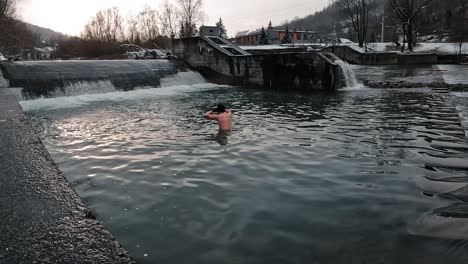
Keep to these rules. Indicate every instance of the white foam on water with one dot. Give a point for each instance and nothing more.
(3, 82)
(461, 94)
(170, 86)
(183, 78)
(350, 79)
(462, 108)
(85, 87)
(358, 87)
(86, 99)
(454, 74)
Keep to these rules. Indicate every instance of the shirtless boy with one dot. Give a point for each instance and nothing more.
(221, 115)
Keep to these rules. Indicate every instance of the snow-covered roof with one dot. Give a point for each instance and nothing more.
(248, 32)
(265, 47)
(346, 41)
(242, 33)
(257, 31)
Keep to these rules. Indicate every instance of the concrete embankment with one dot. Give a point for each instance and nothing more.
(42, 219)
(392, 58)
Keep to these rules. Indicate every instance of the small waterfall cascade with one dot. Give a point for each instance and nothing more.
(46, 79)
(461, 100)
(3, 81)
(348, 74)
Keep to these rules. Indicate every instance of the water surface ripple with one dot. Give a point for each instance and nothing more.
(350, 177)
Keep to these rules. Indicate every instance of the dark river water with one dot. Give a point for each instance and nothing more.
(363, 176)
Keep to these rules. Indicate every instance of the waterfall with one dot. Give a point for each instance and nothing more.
(348, 75)
(3, 81)
(180, 84)
(68, 78)
(461, 100)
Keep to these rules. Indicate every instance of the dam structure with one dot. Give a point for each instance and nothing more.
(219, 60)
(64, 78)
(43, 220)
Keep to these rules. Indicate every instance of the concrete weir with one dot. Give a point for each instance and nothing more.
(222, 61)
(57, 78)
(42, 219)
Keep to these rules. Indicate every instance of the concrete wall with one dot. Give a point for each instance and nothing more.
(386, 58)
(304, 71)
(211, 62)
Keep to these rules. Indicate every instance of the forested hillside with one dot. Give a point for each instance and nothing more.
(436, 19)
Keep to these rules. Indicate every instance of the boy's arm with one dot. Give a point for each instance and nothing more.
(210, 115)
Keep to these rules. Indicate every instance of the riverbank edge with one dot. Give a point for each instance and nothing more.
(408, 85)
(42, 218)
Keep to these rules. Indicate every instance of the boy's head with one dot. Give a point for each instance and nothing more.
(220, 109)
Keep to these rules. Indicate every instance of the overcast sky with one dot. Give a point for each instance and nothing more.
(70, 16)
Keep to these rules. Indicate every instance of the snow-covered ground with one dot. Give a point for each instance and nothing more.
(2, 58)
(149, 54)
(135, 52)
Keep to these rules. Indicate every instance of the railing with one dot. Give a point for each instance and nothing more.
(231, 50)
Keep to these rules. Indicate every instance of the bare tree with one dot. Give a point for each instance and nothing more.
(460, 29)
(169, 19)
(7, 10)
(148, 23)
(132, 29)
(191, 13)
(105, 26)
(407, 12)
(358, 13)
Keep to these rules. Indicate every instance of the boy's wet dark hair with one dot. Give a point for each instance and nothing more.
(220, 109)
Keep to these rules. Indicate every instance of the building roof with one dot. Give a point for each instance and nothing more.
(248, 33)
(257, 31)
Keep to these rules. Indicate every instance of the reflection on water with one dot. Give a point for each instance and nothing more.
(349, 177)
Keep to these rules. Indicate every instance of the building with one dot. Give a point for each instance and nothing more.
(274, 36)
(207, 31)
